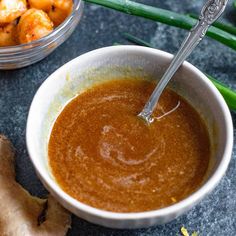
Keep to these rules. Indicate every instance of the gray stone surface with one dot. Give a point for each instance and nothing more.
(215, 215)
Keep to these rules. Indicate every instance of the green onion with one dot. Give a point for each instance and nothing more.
(166, 17)
(223, 26)
(228, 94)
(136, 40)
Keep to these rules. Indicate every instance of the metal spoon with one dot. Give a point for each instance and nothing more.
(210, 13)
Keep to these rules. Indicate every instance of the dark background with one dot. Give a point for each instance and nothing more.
(216, 214)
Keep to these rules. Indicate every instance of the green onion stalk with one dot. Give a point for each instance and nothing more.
(166, 17)
(220, 25)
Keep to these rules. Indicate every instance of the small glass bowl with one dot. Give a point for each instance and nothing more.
(19, 56)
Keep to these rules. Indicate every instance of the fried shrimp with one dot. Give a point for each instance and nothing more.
(60, 10)
(34, 24)
(11, 10)
(44, 5)
(57, 10)
(23, 21)
(8, 35)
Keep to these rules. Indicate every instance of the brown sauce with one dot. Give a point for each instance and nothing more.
(103, 155)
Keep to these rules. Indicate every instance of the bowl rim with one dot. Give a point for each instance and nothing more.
(191, 200)
(22, 48)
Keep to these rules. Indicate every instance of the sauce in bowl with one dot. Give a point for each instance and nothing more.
(103, 155)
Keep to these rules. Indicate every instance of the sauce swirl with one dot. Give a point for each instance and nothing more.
(103, 155)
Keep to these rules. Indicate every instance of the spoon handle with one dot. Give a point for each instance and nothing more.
(210, 13)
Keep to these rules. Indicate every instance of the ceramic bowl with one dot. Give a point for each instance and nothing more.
(122, 62)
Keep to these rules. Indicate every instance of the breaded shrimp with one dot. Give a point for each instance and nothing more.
(44, 5)
(8, 35)
(60, 10)
(11, 9)
(34, 24)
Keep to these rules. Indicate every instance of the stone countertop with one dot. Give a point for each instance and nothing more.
(216, 214)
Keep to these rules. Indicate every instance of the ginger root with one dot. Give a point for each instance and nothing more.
(20, 213)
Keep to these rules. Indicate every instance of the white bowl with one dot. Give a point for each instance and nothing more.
(127, 61)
